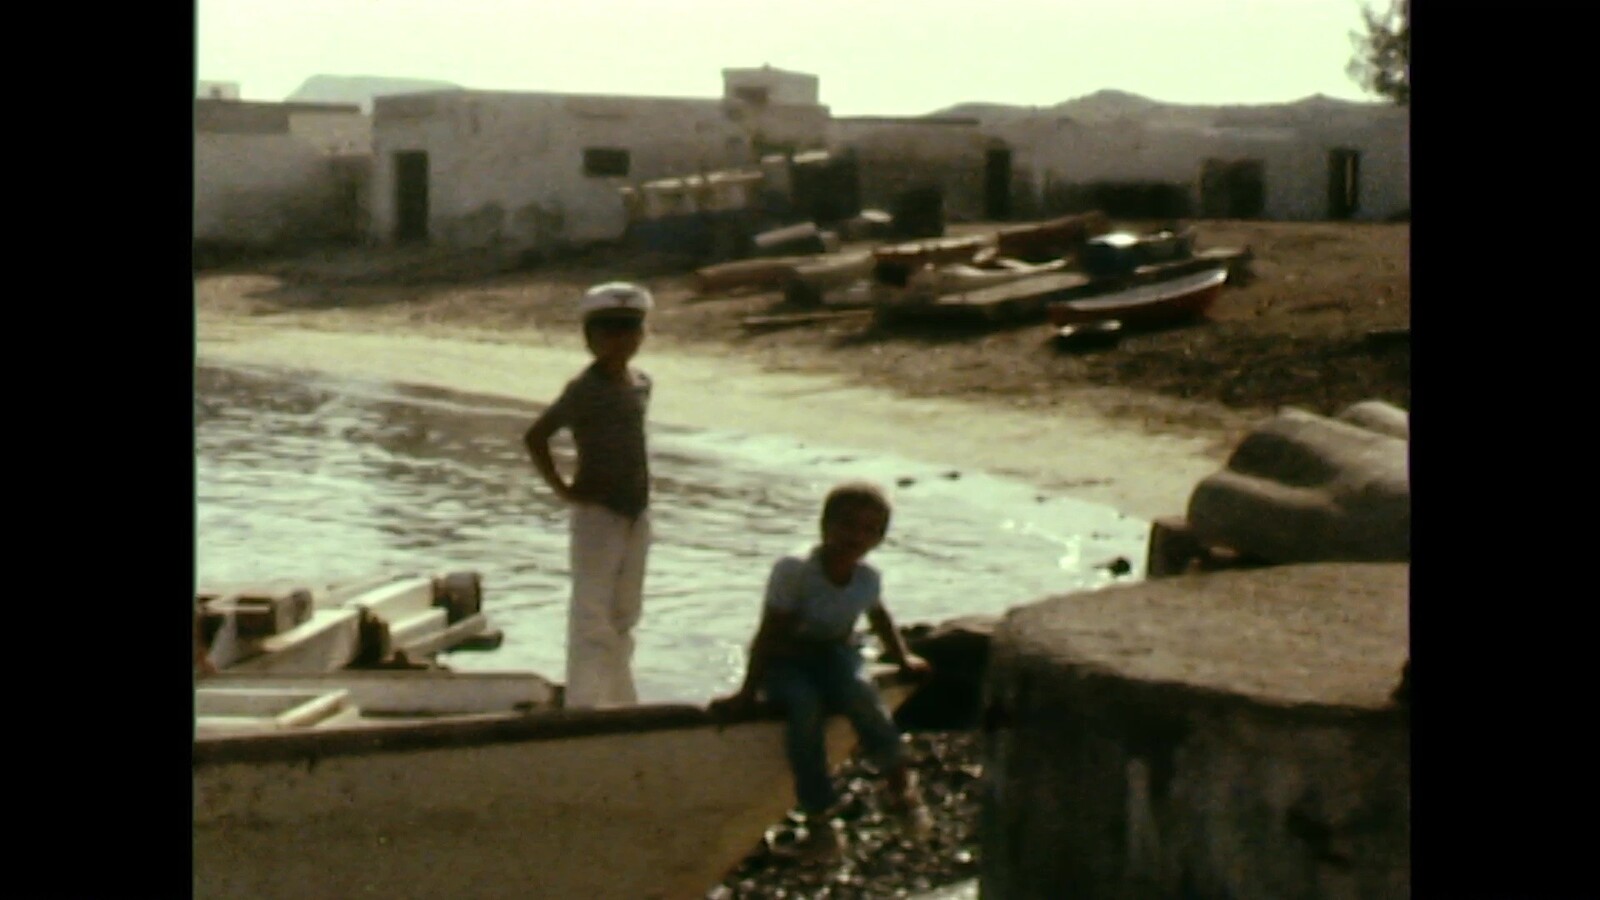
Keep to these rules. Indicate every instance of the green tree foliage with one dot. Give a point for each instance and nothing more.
(1382, 60)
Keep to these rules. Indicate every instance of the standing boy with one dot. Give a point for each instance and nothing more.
(609, 495)
(805, 657)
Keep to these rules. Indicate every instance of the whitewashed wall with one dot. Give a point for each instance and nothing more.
(508, 168)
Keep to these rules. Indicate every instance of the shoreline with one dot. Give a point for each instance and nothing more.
(1070, 448)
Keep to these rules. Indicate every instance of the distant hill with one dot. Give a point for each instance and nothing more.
(1097, 107)
(1107, 105)
(361, 88)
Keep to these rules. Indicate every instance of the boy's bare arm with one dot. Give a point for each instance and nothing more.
(537, 440)
(771, 638)
(894, 644)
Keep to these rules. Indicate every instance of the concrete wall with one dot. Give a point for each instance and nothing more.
(1228, 735)
(508, 169)
(267, 174)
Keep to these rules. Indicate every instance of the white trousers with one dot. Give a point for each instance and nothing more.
(607, 556)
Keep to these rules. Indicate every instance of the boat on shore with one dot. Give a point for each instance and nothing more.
(430, 783)
(384, 621)
(1151, 305)
(1119, 253)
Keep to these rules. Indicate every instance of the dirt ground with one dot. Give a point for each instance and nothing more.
(1299, 332)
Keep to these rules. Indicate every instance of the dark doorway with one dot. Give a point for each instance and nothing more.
(826, 189)
(1344, 182)
(997, 184)
(1233, 189)
(411, 196)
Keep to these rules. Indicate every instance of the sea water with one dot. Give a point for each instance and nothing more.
(306, 477)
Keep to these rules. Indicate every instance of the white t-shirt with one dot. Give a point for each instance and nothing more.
(826, 611)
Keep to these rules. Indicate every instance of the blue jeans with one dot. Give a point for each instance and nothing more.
(831, 679)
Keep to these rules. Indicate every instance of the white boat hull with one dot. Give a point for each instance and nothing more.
(647, 802)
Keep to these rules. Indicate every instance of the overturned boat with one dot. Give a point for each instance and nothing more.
(431, 783)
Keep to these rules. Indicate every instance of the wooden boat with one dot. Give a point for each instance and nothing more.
(894, 263)
(841, 313)
(1029, 298)
(807, 283)
(1017, 300)
(1052, 238)
(295, 629)
(425, 784)
(763, 274)
(1145, 305)
(1121, 252)
(959, 277)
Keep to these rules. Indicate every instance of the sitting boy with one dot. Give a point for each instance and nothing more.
(805, 657)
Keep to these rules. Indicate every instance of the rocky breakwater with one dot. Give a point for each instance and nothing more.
(1229, 734)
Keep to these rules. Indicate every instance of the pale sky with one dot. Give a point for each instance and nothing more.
(873, 57)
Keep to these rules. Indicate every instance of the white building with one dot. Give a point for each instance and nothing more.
(482, 168)
(275, 173)
(529, 170)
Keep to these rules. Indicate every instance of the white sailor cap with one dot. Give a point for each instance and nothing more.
(615, 297)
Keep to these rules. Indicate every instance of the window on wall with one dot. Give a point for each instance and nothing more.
(605, 162)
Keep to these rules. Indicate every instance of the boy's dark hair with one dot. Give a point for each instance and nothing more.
(855, 495)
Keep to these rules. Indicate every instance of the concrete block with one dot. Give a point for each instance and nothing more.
(1225, 735)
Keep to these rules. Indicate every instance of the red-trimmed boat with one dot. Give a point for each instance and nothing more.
(1151, 305)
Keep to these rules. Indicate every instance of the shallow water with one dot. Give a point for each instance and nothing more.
(306, 477)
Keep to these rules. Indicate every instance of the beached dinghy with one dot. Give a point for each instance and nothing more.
(428, 784)
(1121, 252)
(1150, 305)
